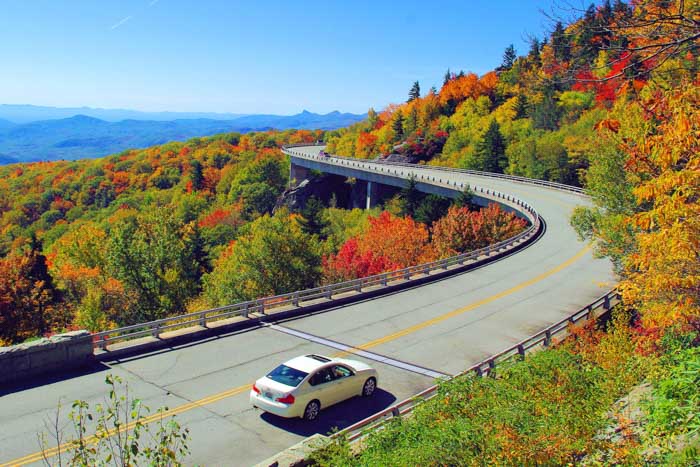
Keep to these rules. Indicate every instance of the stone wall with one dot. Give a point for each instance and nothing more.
(47, 355)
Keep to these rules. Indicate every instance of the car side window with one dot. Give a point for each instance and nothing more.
(321, 376)
(341, 372)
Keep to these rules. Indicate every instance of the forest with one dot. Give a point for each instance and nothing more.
(146, 234)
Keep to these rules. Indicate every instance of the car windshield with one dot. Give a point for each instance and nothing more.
(287, 375)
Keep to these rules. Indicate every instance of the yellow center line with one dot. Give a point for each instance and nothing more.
(472, 306)
(51, 452)
(36, 457)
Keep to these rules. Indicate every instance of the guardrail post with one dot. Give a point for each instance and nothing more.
(155, 330)
(245, 310)
(358, 287)
(261, 303)
(521, 350)
(328, 292)
(395, 412)
(606, 303)
(547, 338)
(295, 299)
(407, 274)
(384, 279)
(203, 320)
(102, 342)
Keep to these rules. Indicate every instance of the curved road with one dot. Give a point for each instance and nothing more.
(438, 328)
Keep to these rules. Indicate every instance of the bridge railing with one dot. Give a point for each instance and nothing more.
(289, 149)
(540, 340)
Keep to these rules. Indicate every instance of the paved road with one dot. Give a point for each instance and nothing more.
(441, 327)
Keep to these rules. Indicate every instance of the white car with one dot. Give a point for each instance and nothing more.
(304, 385)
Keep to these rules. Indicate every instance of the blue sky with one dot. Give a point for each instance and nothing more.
(249, 57)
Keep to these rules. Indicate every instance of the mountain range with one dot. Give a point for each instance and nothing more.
(82, 136)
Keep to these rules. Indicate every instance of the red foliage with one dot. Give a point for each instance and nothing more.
(350, 263)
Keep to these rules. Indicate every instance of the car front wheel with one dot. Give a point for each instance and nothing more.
(312, 410)
(369, 387)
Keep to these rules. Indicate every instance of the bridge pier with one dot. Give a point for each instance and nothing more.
(372, 195)
(297, 174)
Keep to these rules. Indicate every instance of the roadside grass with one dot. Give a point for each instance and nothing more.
(553, 408)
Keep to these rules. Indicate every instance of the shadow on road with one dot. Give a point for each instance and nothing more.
(54, 377)
(338, 416)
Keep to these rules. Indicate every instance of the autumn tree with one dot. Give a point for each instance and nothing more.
(661, 268)
(400, 240)
(351, 263)
(462, 230)
(28, 299)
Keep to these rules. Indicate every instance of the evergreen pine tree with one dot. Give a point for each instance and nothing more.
(464, 198)
(397, 125)
(534, 53)
(560, 43)
(410, 198)
(196, 175)
(414, 93)
(545, 113)
(312, 221)
(491, 150)
(509, 57)
(447, 78)
(44, 293)
(411, 123)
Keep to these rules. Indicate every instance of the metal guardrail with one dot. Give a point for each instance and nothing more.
(542, 339)
(298, 298)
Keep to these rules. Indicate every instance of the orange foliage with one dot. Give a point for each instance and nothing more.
(400, 240)
(462, 230)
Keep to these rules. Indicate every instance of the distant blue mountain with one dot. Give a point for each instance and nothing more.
(82, 136)
(33, 113)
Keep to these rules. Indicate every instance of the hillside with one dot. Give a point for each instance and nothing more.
(81, 136)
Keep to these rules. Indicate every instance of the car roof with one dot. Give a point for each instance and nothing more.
(308, 363)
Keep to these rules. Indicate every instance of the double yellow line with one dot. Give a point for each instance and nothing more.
(36, 457)
(51, 452)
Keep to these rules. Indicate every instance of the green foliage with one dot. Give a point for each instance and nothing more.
(544, 410)
(414, 93)
(410, 198)
(258, 185)
(271, 257)
(157, 256)
(123, 435)
(311, 220)
(675, 405)
(490, 153)
(344, 224)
